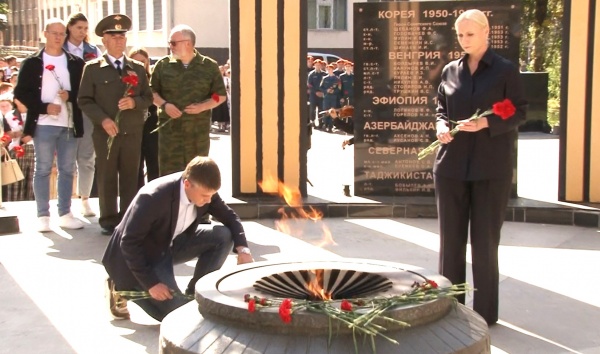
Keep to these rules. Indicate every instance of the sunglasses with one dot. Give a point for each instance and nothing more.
(174, 43)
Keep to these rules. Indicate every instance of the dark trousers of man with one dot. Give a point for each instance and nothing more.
(315, 105)
(211, 245)
(116, 176)
(484, 204)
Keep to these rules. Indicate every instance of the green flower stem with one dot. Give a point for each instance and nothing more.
(433, 146)
(162, 125)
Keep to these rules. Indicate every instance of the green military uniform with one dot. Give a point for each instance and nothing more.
(188, 136)
(100, 91)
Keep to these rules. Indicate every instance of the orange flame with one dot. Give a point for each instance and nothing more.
(293, 198)
(315, 285)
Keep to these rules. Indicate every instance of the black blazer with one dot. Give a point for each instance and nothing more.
(144, 235)
(488, 153)
(29, 90)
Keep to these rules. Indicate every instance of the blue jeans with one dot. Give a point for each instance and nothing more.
(210, 244)
(86, 156)
(48, 141)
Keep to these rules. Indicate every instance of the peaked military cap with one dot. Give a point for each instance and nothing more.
(115, 23)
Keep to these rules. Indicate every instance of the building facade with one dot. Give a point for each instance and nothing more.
(22, 21)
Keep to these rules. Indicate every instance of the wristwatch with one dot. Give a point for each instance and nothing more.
(162, 106)
(244, 250)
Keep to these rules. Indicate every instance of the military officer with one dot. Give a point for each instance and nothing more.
(315, 96)
(347, 80)
(186, 86)
(331, 88)
(102, 95)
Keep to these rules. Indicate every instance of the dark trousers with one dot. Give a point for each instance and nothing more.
(149, 157)
(480, 206)
(116, 176)
(210, 244)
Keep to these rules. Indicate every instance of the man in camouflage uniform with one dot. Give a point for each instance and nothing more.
(186, 86)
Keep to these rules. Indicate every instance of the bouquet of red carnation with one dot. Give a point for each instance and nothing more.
(131, 80)
(504, 109)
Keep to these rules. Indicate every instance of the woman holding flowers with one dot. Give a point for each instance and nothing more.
(474, 166)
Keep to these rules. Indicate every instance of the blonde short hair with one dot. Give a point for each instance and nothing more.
(474, 15)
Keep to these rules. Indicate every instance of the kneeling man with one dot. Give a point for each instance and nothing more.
(161, 228)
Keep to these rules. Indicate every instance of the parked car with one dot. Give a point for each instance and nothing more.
(329, 58)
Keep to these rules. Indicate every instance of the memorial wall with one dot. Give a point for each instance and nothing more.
(400, 49)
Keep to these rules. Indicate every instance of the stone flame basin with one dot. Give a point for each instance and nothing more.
(219, 321)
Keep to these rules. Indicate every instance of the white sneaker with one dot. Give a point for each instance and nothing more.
(44, 224)
(86, 209)
(67, 221)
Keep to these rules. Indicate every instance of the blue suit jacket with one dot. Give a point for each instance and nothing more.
(144, 235)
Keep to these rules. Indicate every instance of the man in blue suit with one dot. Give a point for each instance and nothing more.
(161, 228)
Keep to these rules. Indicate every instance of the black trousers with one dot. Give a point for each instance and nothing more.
(478, 207)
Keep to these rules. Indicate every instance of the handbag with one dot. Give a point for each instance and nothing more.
(11, 172)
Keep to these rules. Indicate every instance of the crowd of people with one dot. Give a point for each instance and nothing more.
(330, 85)
(140, 135)
(107, 115)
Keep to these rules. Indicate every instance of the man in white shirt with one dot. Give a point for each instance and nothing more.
(47, 85)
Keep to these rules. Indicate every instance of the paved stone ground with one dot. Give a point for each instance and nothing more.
(51, 299)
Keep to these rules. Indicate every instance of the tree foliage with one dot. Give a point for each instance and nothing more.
(541, 46)
(3, 11)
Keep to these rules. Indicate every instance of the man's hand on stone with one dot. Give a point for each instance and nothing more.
(160, 292)
(243, 258)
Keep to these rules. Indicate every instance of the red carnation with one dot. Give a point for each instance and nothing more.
(130, 80)
(505, 109)
(6, 139)
(50, 67)
(263, 301)
(346, 305)
(285, 311)
(89, 56)
(252, 305)
(19, 151)
(215, 97)
(432, 283)
(130, 92)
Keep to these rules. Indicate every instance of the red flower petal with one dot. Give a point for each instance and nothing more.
(346, 305)
(432, 283)
(252, 305)
(50, 67)
(285, 311)
(505, 109)
(215, 97)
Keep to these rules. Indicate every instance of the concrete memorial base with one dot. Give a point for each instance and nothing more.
(219, 320)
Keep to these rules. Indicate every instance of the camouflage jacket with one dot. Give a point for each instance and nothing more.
(183, 86)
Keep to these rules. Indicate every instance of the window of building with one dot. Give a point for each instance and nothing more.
(142, 15)
(116, 6)
(327, 14)
(157, 14)
(104, 9)
(129, 8)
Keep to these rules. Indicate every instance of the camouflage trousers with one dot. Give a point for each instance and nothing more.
(180, 141)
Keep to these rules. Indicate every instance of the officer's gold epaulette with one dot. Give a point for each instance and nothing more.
(94, 61)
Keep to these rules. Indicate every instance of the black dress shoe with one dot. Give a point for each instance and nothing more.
(107, 231)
